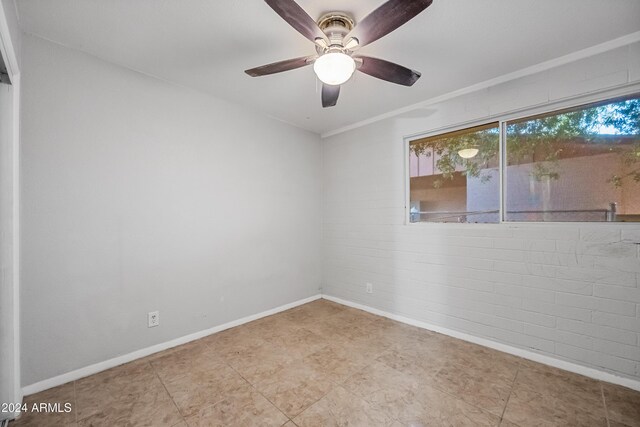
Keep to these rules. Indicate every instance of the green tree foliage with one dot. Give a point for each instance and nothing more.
(625, 117)
(446, 148)
(545, 140)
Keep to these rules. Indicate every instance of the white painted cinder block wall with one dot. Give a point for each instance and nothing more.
(568, 291)
(137, 196)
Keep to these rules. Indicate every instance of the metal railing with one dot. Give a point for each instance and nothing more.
(444, 215)
(608, 215)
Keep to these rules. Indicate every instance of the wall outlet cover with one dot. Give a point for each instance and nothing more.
(153, 319)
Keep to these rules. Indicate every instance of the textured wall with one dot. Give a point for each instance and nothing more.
(568, 291)
(140, 196)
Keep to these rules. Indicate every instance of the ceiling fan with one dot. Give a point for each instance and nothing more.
(337, 39)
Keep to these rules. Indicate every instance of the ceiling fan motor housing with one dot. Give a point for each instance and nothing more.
(336, 25)
(337, 38)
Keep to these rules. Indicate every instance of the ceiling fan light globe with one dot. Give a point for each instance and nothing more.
(334, 68)
(468, 153)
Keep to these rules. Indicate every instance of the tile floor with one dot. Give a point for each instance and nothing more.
(323, 364)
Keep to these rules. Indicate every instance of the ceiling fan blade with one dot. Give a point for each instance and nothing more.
(385, 19)
(330, 95)
(388, 71)
(291, 12)
(278, 67)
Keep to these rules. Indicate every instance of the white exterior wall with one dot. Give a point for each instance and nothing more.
(568, 291)
(140, 196)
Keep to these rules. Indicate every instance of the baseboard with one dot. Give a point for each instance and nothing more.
(526, 354)
(116, 361)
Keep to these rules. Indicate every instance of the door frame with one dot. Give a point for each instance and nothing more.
(10, 57)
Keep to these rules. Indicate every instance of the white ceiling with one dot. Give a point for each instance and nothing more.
(206, 45)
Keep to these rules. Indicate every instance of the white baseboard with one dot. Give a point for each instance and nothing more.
(116, 361)
(526, 354)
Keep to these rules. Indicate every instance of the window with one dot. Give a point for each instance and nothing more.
(454, 177)
(578, 164)
(581, 164)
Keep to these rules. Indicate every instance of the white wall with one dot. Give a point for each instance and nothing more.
(567, 291)
(139, 196)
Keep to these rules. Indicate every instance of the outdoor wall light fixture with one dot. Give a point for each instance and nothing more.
(468, 153)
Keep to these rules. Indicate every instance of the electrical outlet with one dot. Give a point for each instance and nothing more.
(153, 318)
(369, 288)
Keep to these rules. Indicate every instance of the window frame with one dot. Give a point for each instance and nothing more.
(576, 102)
(445, 131)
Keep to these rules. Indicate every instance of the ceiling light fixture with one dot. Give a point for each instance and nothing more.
(334, 68)
(468, 153)
(337, 40)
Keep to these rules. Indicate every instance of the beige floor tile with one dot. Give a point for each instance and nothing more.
(300, 317)
(332, 329)
(617, 424)
(420, 357)
(549, 396)
(153, 408)
(196, 390)
(367, 347)
(272, 327)
(527, 408)
(623, 404)
(43, 420)
(507, 423)
(192, 357)
(481, 378)
(59, 396)
(260, 362)
(556, 381)
(337, 362)
(355, 314)
(329, 365)
(310, 313)
(400, 333)
(384, 387)
(131, 394)
(349, 323)
(341, 408)
(354, 324)
(169, 351)
(324, 307)
(244, 407)
(114, 387)
(468, 384)
(295, 387)
(466, 352)
(322, 327)
(232, 341)
(299, 342)
(432, 407)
